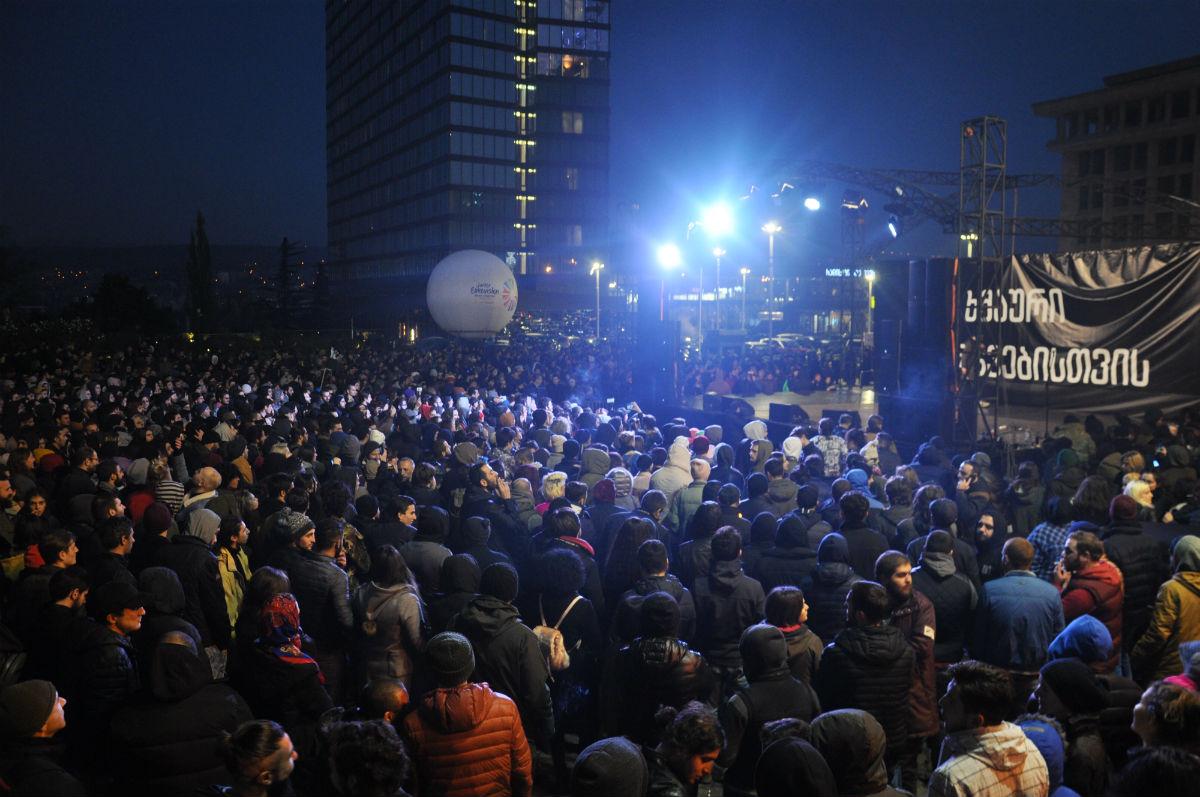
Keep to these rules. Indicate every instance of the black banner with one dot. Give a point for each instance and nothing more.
(1110, 331)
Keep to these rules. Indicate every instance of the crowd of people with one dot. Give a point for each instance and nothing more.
(238, 570)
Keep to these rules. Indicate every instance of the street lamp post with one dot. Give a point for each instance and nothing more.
(745, 272)
(597, 267)
(770, 228)
(718, 253)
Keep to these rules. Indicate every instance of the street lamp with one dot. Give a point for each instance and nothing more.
(771, 228)
(868, 331)
(669, 258)
(745, 272)
(597, 267)
(718, 253)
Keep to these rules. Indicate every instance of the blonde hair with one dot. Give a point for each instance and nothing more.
(1140, 491)
(554, 485)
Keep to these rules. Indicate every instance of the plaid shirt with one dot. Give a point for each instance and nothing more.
(998, 761)
(1047, 540)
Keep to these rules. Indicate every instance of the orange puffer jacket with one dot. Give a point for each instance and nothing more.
(467, 741)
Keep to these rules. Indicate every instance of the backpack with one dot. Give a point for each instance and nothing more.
(551, 639)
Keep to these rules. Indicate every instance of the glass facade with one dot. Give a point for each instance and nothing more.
(466, 124)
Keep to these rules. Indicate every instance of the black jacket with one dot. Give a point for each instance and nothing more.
(673, 587)
(168, 739)
(826, 590)
(110, 567)
(652, 672)
(475, 537)
(105, 676)
(1142, 560)
(693, 562)
(323, 591)
(57, 633)
(866, 544)
(954, 599)
(870, 669)
(509, 658)
(790, 561)
(509, 534)
(289, 694)
(34, 768)
(196, 565)
(727, 603)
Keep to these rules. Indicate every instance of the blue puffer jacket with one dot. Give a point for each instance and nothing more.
(1017, 618)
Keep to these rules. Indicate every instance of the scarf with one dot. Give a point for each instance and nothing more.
(280, 632)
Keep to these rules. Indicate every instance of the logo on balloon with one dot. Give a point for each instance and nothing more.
(508, 295)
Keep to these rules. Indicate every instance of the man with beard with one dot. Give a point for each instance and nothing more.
(912, 613)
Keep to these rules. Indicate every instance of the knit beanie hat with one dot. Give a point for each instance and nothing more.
(138, 471)
(610, 767)
(1075, 685)
(25, 707)
(659, 615)
(1122, 509)
(499, 580)
(451, 657)
(714, 433)
(157, 518)
(604, 490)
(295, 524)
(466, 453)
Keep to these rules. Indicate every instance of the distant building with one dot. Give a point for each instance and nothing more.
(1129, 156)
(466, 124)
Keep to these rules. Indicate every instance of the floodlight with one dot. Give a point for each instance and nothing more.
(812, 203)
(718, 220)
(669, 256)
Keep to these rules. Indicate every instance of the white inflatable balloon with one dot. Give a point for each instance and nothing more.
(472, 294)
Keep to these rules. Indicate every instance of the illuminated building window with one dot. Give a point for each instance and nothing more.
(572, 122)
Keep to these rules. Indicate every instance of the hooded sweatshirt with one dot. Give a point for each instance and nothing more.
(595, 466)
(826, 589)
(723, 470)
(727, 602)
(773, 694)
(994, 760)
(460, 583)
(1175, 618)
(1049, 742)
(468, 740)
(677, 473)
(781, 496)
(852, 742)
(1085, 638)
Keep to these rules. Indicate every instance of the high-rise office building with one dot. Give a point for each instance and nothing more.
(466, 124)
(1130, 157)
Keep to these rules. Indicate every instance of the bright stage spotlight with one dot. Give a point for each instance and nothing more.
(669, 256)
(812, 203)
(718, 220)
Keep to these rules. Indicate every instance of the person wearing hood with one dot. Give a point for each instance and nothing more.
(427, 550)
(943, 515)
(164, 602)
(656, 668)
(508, 654)
(475, 537)
(727, 602)
(789, 560)
(723, 469)
(601, 507)
(760, 539)
(826, 588)
(459, 583)
(1090, 584)
(687, 500)
(168, 738)
(869, 665)
(730, 499)
(773, 694)
(1068, 474)
(389, 617)
(1175, 618)
(595, 466)
(791, 766)
(899, 493)
(854, 745)
(952, 594)
(677, 473)
(1051, 741)
(526, 504)
(1025, 498)
(860, 482)
(781, 491)
(1067, 691)
(192, 558)
(610, 767)
(152, 535)
(982, 754)
(1142, 560)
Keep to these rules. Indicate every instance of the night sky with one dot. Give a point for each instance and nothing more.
(122, 118)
